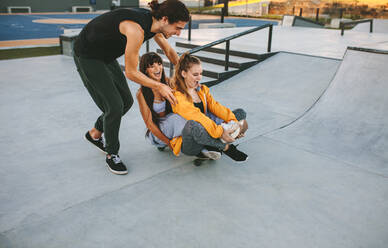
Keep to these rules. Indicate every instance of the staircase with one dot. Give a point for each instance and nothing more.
(213, 62)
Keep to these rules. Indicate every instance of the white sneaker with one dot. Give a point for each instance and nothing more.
(231, 126)
(213, 155)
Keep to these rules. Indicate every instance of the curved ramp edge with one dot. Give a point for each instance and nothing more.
(349, 122)
(278, 90)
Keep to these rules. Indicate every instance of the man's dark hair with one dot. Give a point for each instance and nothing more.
(174, 10)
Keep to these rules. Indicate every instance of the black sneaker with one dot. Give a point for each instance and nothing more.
(99, 143)
(211, 148)
(115, 165)
(161, 148)
(235, 154)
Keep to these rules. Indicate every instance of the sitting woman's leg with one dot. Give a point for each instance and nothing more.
(171, 126)
(195, 138)
(240, 114)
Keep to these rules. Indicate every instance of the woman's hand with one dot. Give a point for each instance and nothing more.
(167, 93)
(226, 136)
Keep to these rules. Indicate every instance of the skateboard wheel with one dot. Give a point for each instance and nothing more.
(197, 162)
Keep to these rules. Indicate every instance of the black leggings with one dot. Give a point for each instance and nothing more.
(109, 89)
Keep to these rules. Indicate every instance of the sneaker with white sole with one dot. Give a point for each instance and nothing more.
(99, 143)
(235, 154)
(115, 165)
(213, 155)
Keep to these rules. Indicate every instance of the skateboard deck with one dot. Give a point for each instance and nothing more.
(198, 161)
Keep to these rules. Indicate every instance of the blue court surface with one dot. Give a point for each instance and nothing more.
(20, 27)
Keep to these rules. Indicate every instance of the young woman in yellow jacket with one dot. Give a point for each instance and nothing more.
(210, 124)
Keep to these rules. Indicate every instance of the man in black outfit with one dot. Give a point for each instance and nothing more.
(96, 49)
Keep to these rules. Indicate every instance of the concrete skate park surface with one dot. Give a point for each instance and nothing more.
(317, 42)
(316, 174)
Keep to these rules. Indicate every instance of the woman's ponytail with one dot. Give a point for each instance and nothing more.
(154, 5)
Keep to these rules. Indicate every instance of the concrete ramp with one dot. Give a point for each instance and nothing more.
(349, 123)
(278, 90)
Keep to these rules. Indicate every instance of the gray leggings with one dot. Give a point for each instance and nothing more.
(195, 137)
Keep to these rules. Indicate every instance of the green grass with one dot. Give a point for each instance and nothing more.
(17, 53)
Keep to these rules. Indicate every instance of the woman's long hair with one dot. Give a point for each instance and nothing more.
(146, 61)
(186, 61)
(174, 10)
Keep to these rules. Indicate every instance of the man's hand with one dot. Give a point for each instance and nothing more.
(166, 92)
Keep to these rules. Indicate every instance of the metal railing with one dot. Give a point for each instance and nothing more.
(229, 38)
(227, 41)
(189, 31)
(344, 24)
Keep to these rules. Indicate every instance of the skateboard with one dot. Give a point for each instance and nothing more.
(198, 161)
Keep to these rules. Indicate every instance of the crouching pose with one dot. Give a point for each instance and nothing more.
(209, 122)
(168, 129)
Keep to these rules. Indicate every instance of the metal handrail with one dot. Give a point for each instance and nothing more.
(189, 29)
(343, 24)
(229, 38)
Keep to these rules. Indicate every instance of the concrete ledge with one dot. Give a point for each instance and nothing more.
(288, 20)
(67, 43)
(336, 22)
(9, 9)
(216, 25)
(297, 21)
(75, 8)
(70, 31)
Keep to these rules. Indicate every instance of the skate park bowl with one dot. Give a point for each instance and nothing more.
(316, 174)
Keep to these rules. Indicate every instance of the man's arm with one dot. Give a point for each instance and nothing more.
(168, 50)
(135, 36)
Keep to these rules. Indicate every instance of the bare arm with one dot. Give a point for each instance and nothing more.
(135, 36)
(168, 50)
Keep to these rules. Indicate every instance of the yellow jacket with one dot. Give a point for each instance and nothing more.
(187, 110)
